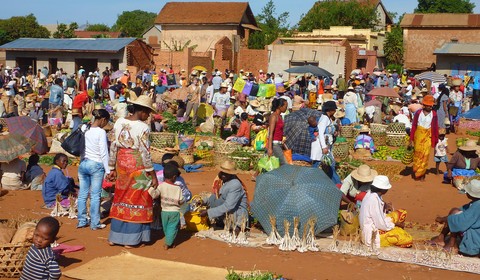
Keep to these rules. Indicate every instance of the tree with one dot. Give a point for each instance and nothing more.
(21, 27)
(134, 23)
(338, 13)
(271, 25)
(64, 31)
(393, 46)
(445, 6)
(178, 46)
(98, 27)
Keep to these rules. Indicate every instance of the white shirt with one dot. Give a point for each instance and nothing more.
(209, 93)
(403, 119)
(372, 218)
(441, 148)
(278, 80)
(425, 121)
(251, 111)
(409, 90)
(96, 148)
(289, 101)
(221, 100)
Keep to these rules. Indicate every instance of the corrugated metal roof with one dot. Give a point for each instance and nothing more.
(459, 48)
(440, 20)
(75, 44)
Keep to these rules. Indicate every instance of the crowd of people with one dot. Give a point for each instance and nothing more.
(135, 102)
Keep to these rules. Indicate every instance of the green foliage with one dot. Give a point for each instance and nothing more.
(445, 6)
(338, 13)
(393, 46)
(397, 67)
(21, 27)
(272, 26)
(64, 31)
(134, 23)
(254, 275)
(177, 46)
(98, 27)
(177, 127)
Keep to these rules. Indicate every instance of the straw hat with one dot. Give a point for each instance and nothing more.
(364, 129)
(473, 188)
(340, 113)
(456, 82)
(262, 108)
(470, 145)
(228, 167)
(144, 101)
(224, 85)
(364, 173)
(350, 88)
(424, 90)
(381, 182)
(281, 89)
(254, 103)
(428, 100)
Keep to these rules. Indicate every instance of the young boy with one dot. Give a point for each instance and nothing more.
(441, 150)
(312, 128)
(463, 223)
(171, 198)
(40, 262)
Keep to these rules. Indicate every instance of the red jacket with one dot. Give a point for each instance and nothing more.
(433, 128)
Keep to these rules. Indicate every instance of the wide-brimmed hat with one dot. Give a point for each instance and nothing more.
(281, 89)
(364, 128)
(254, 103)
(262, 108)
(364, 173)
(228, 167)
(473, 188)
(340, 113)
(424, 90)
(224, 85)
(144, 101)
(470, 145)
(381, 182)
(456, 82)
(428, 100)
(350, 88)
(329, 105)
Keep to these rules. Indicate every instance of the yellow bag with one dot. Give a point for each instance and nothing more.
(349, 221)
(261, 139)
(396, 237)
(196, 223)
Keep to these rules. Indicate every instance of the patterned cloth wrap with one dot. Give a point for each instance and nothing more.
(397, 236)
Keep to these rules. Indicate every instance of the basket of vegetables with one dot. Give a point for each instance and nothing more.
(162, 139)
(340, 149)
(242, 159)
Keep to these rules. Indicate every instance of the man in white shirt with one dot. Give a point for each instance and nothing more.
(279, 79)
(408, 92)
(217, 81)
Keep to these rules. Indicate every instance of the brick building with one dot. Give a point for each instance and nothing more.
(70, 54)
(424, 33)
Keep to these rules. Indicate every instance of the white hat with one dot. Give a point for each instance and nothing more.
(218, 73)
(8, 68)
(231, 75)
(261, 71)
(90, 73)
(473, 188)
(183, 70)
(224, 85)
(241, 70)
(381, 182)
(409, 82)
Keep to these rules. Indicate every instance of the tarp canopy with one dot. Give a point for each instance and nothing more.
(473, 114)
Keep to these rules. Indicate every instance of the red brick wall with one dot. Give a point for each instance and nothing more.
(420, 44)
(186, 59)
(252, 60)
(139, 55)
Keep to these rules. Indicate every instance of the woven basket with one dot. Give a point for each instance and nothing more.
(12, 258)
(340, 151)
(187, 155)
(396, 128)
(395, 140)
(347, 131)
(242, 163)
(301, 163)
(162, 139)
(379, 139)
(3, 122)
(157, 154)
(226, 147)
(376, 128)
(219, 158)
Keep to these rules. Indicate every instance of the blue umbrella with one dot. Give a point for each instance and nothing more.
(473, 114)
(315, 70)
(294, 191)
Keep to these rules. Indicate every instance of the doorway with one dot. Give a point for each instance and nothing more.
(90, 65)
(25, 62)
(52, 65)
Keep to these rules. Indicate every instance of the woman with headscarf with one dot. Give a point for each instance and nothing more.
(423, 135)
(131, 164)
(351, 104)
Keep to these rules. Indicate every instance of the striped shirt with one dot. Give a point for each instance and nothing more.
(40, 264)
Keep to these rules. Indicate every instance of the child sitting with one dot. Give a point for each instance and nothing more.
(171, 199)
(364, 140)
(57, 183)
(441, 150)
(463, 223)
(388, 227)
(34, 176)
(243, 134)
(40, 262)
(312, 128)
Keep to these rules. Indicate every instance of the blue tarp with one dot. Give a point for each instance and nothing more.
(473, 114)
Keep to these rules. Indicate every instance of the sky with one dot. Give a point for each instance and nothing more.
(106, 11)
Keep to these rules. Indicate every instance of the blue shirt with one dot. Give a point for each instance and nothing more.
(467, 222)
(40, 264)
(56, 95)
(55, 183)
(476, 82)
(160, 89)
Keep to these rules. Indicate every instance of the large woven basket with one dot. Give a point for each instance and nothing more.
(340, 151)
(242, 163)
(376, 128)
(162, 139)
(157, 153)
(347, 131)
(301, 163)
(219, 158)
(187, 155)
(396, 128)
(3, 122)
(12, 258)
(396, 140)
(226, 147)
(379, 139)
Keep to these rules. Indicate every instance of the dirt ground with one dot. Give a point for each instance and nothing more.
(423, 201)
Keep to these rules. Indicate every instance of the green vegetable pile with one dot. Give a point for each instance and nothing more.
(255, 275)
(346, 167)
(473, 133)
(173, 125)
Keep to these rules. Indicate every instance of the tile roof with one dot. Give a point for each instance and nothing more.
(441, 20)
(459, 48)
(73, 45)
(92, 34)
(205, 13)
